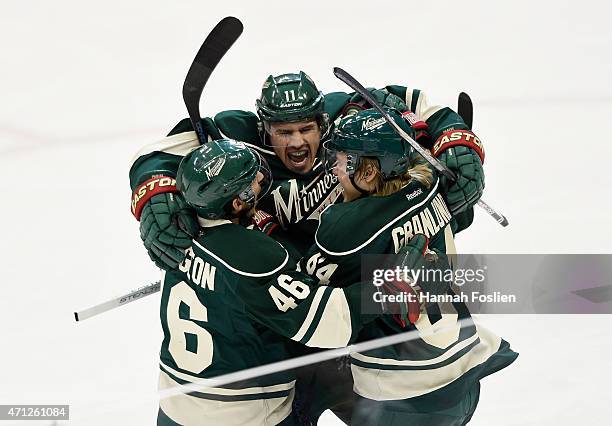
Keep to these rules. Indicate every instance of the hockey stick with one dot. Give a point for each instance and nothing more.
(218, 42)
(465, 108)
(118, 301)
(358, 87)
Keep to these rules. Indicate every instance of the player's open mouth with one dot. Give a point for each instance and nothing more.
(298, 158)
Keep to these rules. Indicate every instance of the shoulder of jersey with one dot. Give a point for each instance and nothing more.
(181, 127)
(246, 252)
(239, 125)
(346, 228)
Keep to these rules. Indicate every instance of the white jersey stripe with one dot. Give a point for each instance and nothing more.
(334, 328)
(311, 313)
(384, 385)
(189, 410)
(238, 271)
(446, 355)
(226, 391)
(179, 144)
(377, 233)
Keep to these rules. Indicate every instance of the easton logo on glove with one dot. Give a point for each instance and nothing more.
(144, 192)
(453, 138)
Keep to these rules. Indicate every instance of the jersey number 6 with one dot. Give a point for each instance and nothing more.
(179, 328)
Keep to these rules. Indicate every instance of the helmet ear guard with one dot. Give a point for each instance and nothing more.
(248, 195)
(330, 160)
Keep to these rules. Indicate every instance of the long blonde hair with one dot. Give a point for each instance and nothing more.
(419, 171)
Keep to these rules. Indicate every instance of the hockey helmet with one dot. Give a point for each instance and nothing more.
(291, 97)
(211, 176)
(367, 134)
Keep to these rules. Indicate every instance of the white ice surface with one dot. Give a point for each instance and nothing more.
(85, 84)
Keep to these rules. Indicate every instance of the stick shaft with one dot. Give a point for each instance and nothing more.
(118, 301)
(365, 93)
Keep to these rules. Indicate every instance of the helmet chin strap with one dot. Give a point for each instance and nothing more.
(243, 218)
(243, 215)
(362, 191)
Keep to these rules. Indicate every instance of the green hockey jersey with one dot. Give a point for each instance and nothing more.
(445, 361)
(233, 304)
(296, 200)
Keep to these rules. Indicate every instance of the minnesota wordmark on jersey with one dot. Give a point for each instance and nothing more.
(294, 201)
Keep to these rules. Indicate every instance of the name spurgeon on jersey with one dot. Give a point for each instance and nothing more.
(198, 271)
(428, 221)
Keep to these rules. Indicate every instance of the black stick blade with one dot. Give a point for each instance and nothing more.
(465, 108)
(218, 42)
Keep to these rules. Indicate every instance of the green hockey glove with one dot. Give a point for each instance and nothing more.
(167, 226)
(467, 190)
(427, 279)
(357, 103)
(409, 258)
(462, 152)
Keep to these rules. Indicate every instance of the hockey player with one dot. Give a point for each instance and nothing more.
(227, 306)
(388, 198)
(293, 116)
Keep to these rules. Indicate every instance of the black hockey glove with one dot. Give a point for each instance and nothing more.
(167, 226)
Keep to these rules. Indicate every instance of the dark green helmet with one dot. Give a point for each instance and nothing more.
(290, 97)
(367, 134)
(211, 176)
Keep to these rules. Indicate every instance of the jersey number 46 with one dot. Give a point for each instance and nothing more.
(296, 289)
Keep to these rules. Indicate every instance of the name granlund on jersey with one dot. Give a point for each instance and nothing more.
(424, 222)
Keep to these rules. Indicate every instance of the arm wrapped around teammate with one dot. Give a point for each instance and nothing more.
(381, 95)
(462, 152)
(409, 258)
(167, 226)
(425, 273)
(265, 222)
